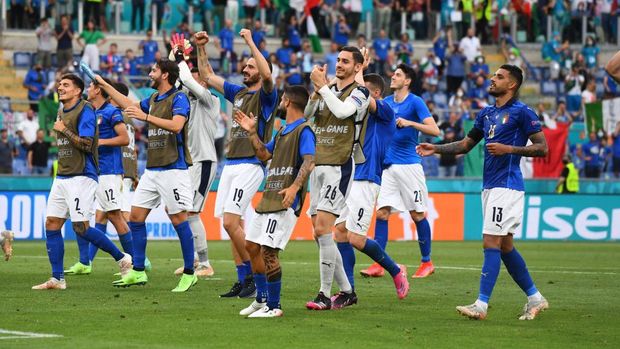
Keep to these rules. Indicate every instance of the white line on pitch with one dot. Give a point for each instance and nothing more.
(26, 335)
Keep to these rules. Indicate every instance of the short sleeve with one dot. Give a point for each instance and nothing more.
(145, 104)
(384, 112)
(117, 117)
(231, 90)
(180, 105)
(269, 146)
(268, 101)
(530, 123)
(307, 142)
(421, 110)
(479, 121)
(87, 124)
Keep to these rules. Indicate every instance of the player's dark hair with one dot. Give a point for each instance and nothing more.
(76, 80)
(122, 88)
(109, 82)
(357, 54)
(170, 67)
(376, 81)
(408, 71)
(515, 72)
(298, 95)
(195, 70)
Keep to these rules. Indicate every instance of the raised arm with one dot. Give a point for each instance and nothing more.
(204, 67)
(203, 94)
(116, 96)
(249, 125)
(261, 61)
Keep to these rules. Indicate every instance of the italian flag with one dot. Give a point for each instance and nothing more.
(602, 115)
(313, 34)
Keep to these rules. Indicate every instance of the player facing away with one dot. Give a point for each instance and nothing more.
(403, 186)
(353, 223)
(202, 124)
(6, 241)
(73, 190)
(112, 136)
(506, 128)
(292, 160)
(339, 110)
(243, 172)
(166, 178)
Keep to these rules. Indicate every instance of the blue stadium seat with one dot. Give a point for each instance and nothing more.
(22, 59)
(548, 88)
(5, 104)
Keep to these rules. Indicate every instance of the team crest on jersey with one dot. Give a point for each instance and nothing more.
(99, 120)
(505, 118)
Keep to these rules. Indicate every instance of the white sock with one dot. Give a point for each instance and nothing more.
(535, 297)
(327, 262)
(200, 239)
(340, 276)
(481, 304)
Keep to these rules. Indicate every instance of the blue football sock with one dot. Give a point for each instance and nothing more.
(424, 239)
(381, 232)
(260, 280)
(138, 236)
(187, 246)
(55, 252)
(126, 242)
(92, 249)
(83, 249)
(374, 251)
(248, 268)
(240, 272)
(98, 238)
(348, 260)
(518, 270)
(490, 271)
(273, 294)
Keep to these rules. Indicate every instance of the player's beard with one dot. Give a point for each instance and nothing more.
(281, 112)
(250, 81)
(154, 84)
(344, 74)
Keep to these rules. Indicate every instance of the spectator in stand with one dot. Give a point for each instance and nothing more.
(275, 64)
(149, 48)
(226, 37)
(7, 152)
(361, 41)
(616, 151)
(479, 67)
(38, 153)
(453, 123)
(592, 157)
(429, 66)
(29, 127)
(64, 37)
(21, 152)
(383, 8)
(341, 31)
(479, 93)
(92, 10)
(292, 33)
(609, 21)
(353, 15)
(284, 52)
(262, 47)
(330, 60)
(307, 61)
(258, 34)
(455, 69)
(137, 10)
(470, 46)
(456, 100)
(589, 94)
(112, 62)
(572, 88)
(44, 49)
(447, 162)
(219, 10)
(249, 7)
(591, 53)
(404, 50)
(35, 81)
(381, 45)
(606, 157)
(159, 6)
(561, 115)
(89, 40)
(131, 66)
(292, 73)
(441, 42)
(466, 112)
(578, 158)
(17, 14)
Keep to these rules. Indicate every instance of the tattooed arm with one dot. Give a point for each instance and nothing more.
(248, 123)
(460, 147)
(302, 176)
(538, 148)
(83, 143)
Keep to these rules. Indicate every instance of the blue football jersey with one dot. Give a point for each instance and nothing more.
(110, 158)
(511, 124)
(380, 129)
(402, 148)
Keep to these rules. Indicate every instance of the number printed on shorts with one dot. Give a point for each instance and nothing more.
(330, 193)
(360, 214)
(271, 226)
(238, 195)
(177, 197)
(417, 196)
(497, 215)
(109, 194)
(77, 204)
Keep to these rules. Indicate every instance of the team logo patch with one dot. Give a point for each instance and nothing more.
(99, 120)
(505, 118)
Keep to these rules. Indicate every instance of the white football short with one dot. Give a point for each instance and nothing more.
(403, 188)
(127, 186)
(360, 206)
(502, 211)
(72, 198)
(272, 229)
(110, 193)
(202, 174)
(172, 187)
(329, 188)
(238, 184)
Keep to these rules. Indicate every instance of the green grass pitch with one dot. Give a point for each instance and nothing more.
(580, 280)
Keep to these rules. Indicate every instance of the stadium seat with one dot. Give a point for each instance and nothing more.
(22, 59)
(5, 104)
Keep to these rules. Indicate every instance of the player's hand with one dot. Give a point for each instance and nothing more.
(135, 183)
(289, 195)
(59, 126)
(181, 47)
(366, 55)
(202, 38)
(246, 34)
(246, 123)
(400, 123)
(135, 113)
(318, 76)
(498, 149)
(425, 149)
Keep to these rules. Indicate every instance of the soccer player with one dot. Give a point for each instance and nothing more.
(112, 136)
(202, 125)
(506, 128)
(613, 67)
(403, 186)
(166, 177)
(339, 110)
(353, 223)
(6, 241)
(243, 172)
(292, 160)
(73, 189)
